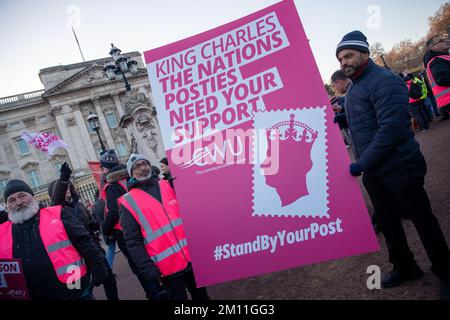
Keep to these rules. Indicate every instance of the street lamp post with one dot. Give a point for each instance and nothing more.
(92, 118)
(120, 67)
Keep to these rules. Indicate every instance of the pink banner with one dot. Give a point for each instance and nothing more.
(46, 142)
(262, 171)
(12, 280)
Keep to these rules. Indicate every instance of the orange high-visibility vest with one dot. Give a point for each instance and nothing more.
(442, 94)
(123, 184)
(67, 262)
(161, 227)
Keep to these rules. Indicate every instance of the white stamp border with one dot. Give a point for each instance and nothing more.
(315, 213)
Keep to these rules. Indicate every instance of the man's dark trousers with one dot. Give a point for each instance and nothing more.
(404, 187)
(418, 109)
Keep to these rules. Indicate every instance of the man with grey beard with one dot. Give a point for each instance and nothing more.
(54, 248)
(154, 233)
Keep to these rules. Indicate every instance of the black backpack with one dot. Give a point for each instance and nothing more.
(415, 90)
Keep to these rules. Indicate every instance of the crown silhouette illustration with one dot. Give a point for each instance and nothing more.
(293, 129)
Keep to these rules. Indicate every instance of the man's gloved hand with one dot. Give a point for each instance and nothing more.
(65, 172)
(155, 291)
(99, 275)
(355, 169)
(108, 239)
(162, 295)
(336, 118)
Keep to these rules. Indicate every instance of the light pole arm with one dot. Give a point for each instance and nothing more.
(101, 142)
(127, 84)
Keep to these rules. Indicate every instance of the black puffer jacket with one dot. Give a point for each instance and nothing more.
(98, 211)
(377, 109)
(113, 192)
(3, 216)
(39, 273)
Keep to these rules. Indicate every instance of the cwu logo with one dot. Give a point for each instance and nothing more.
(16, 293)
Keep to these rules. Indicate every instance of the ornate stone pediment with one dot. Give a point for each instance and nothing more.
(89, 76)
(143, 121)
(29, 122)
(135, 100)
(29, 165)
(4, 174)
(58, 157)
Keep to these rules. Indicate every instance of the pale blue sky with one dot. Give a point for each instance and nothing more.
(34, 34)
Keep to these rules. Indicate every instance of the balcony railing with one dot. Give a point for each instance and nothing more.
(21, 97)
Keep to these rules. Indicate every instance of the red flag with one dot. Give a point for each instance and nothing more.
(96, 172)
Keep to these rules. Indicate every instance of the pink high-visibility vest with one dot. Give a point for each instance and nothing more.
(161, 227)
(442, 94)
(66, 261)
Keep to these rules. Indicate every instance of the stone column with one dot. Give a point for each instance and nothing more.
(121, 112)
(84, 138)
(66, 136)
(104, 124)
(118, 105)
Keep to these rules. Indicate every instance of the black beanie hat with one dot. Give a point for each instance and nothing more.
(164, 161)
(14, 186)
(109, 159)
(355, 40)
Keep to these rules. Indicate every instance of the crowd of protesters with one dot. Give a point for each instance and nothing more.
(61, 246)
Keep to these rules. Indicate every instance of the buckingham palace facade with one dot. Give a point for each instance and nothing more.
(70, 93)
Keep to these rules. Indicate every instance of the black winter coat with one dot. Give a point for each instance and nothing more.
(440, 68)
(75, 207)
(3, 216)
(113, 192)
(377, 108)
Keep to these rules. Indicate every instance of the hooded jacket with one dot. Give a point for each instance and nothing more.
(113, 192)
(440, 68)
(3, 215)
(57, 192)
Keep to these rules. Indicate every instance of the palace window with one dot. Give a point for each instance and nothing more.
(23, 147)
(34, 178)
(3, 183)
(122, 149)
(112, 120)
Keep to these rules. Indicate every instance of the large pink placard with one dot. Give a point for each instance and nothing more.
(262, 171)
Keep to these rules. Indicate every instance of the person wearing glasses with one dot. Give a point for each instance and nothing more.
(154, 233)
